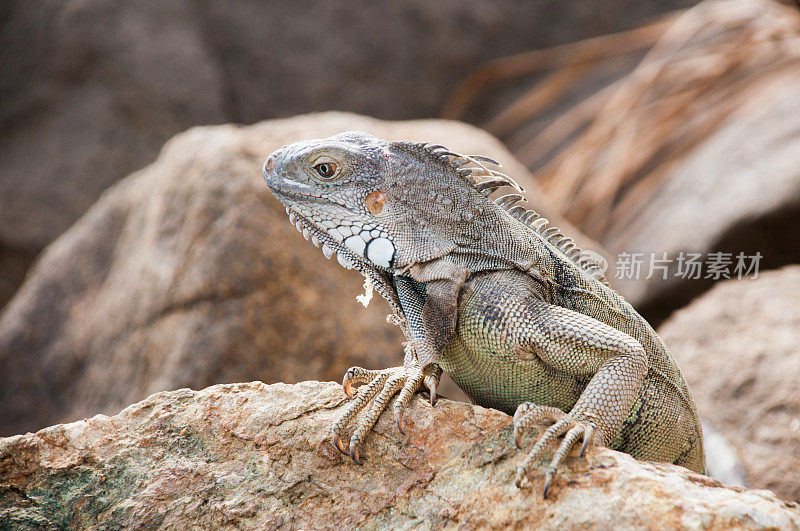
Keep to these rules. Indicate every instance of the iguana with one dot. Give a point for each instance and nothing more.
(489, 292)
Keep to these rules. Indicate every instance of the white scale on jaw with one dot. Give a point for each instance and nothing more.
(366, 241)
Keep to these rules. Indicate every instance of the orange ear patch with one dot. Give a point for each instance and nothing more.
(374, 202)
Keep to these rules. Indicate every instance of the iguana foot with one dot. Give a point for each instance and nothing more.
(373, 397)
(573, 430)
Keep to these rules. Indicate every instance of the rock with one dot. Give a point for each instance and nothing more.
(259, 456)
(188, 273)
(737, 347)
(91, 89)
(14, 264)
(737, 192)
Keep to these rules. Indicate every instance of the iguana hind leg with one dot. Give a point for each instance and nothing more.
(561, 359)
(577, 344)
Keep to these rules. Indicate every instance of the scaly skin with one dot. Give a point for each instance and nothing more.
(488, 292)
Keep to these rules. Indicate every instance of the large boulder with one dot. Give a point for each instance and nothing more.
(737, 192)
(91, 89)
(737, 346)
(189, 273)
(260, 457)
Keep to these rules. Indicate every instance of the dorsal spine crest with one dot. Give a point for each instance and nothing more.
(474, 169)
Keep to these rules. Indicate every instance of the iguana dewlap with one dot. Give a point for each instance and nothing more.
(489, 292)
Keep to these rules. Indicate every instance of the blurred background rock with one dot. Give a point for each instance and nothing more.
(645, 128)
(91, 89)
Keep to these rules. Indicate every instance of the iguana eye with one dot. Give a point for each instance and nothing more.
(325, 169)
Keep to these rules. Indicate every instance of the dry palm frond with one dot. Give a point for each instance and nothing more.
(603, 158)
(564, 56)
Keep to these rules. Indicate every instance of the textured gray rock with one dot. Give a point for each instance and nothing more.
(737, 346)
(188, 273)
(259, 457)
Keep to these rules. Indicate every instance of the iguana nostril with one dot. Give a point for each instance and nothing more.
(269, 164)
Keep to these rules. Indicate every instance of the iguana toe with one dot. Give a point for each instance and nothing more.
(528, 415)
(412, 384)
(357, 375)
(563, 424)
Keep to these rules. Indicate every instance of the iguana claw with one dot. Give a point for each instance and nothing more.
(399, 422)
(355, 455)
(548, 478)
(563, 424)
(587, 438)
(373, 398)
(348, 389)
(518, 438)
(432, 387)
(339, 444)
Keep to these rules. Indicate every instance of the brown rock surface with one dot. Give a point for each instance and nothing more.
(91, 89)
(258, 457)
(737, 346)
(188, 273)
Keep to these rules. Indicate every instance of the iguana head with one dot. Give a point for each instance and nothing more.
(376, 203)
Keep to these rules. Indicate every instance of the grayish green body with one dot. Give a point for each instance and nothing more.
(491, 359)
(488, 292)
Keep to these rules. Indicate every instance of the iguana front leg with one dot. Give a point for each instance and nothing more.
(573, 343)
(428, 297)
(374, 397)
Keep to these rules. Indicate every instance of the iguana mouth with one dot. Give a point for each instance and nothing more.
(326, 243)
(294, 190)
